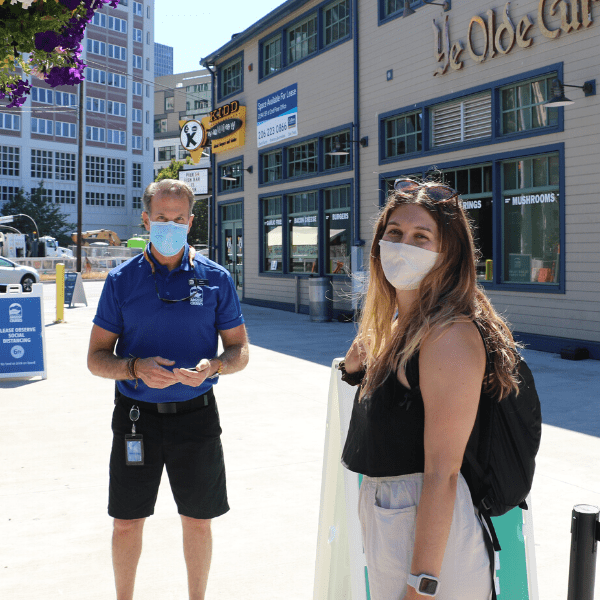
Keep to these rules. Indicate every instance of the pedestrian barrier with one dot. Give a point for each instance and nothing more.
(341, 569)
(585, 534)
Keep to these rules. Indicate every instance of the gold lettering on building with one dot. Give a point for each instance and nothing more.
(506, 29)
(523, 26)
(573, 14)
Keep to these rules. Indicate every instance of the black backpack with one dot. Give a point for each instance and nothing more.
(499, 460)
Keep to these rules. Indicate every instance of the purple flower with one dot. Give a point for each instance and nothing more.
(70, 4)
(64, 76)
(46, 40)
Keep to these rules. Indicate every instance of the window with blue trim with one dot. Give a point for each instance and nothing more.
(338, 230)
(316, 30)
(308, 158)
(461, 120)
(396, 7)
(474, 183)
(334, 146)
(272, 166)
(271, 55)
(302, 39)
(303, 232)
(230, 77)
(336, 22)
(292, 226)
(303, 159)
(403, 134)
(523, 106)
(272, 233)
(531, 220)
(230, 176)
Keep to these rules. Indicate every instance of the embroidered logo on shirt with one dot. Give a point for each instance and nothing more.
(197, 294)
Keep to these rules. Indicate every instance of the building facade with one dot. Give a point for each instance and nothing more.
(344, 96)
(39, 141)
(163, 60)
(178, 97)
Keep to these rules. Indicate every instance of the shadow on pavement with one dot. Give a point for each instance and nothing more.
(296, 335)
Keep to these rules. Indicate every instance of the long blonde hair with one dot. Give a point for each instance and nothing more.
(448, 294)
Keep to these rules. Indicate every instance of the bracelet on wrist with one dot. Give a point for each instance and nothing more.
(351, 378)
(218, 371)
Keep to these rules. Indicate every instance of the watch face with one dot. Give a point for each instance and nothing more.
(428, 586)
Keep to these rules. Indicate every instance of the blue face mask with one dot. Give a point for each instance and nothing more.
(168, 238)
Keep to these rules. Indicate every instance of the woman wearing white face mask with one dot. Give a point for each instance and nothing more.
(423, 311)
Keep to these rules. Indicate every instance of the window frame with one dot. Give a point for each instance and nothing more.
(320, 189)
(496, 138)
(312, 17)
(331, 6)
(497, 160)
(223, 189)
(237, 58)
(282, 34)
(294, 141)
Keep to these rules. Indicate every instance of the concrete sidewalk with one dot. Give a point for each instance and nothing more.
(55, 443)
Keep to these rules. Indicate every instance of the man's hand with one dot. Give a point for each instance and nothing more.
(194, 377)
(152, 372)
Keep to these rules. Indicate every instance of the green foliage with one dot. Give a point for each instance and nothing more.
(48, 217)
(199, 232)
(172, 171)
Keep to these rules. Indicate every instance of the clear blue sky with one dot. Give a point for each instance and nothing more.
(195, 28)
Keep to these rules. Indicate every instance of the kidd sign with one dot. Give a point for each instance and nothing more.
(224, 129)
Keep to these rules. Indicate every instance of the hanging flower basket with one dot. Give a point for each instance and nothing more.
(42, 38)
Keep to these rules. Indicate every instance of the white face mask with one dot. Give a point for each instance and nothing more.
(405, 266)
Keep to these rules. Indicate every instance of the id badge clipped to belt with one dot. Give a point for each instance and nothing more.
(134, 442)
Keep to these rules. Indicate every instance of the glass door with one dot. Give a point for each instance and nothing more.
(232, 243)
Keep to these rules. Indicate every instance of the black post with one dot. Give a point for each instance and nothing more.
(80, 174)
(584, 541)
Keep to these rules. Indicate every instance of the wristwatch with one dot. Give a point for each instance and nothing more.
(426, 585)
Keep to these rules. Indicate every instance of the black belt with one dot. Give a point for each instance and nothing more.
(169, 407)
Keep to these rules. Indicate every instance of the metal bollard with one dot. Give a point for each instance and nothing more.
(584, 541)
(320, 296)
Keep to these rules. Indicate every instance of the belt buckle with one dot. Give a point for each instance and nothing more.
(167, 407)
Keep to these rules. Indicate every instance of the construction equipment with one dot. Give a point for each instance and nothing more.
(97, 235)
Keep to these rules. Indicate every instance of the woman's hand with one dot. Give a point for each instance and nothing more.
(356, 357)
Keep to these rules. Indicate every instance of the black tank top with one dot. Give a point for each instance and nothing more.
(385, 436)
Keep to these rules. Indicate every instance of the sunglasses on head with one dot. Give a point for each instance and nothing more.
(437, 192)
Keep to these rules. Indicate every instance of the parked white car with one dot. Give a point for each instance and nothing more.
(11, 272)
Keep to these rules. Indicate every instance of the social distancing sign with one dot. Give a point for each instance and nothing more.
(341, 570)
(22, 340)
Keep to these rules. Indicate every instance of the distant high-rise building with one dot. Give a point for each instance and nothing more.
(163, 60)
(38, 142)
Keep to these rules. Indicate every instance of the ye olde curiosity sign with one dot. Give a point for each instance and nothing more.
(491, 35)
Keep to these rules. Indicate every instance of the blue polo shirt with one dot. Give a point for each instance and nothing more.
(185, 332)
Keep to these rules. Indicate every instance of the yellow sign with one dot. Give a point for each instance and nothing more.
(223, 129)
(226, 127)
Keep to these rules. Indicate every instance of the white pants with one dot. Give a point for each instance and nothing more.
(387, 509)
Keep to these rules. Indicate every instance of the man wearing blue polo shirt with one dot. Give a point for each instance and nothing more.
(156, 333)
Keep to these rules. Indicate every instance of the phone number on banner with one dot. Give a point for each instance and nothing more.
(277, 129)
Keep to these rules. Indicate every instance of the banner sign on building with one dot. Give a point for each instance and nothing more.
(197, 179)
(22, 334)
(277, 116)
(223, 129)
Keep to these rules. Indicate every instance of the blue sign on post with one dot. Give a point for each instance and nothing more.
(22, 334)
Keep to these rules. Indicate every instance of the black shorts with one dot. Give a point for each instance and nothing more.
(188, 444)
